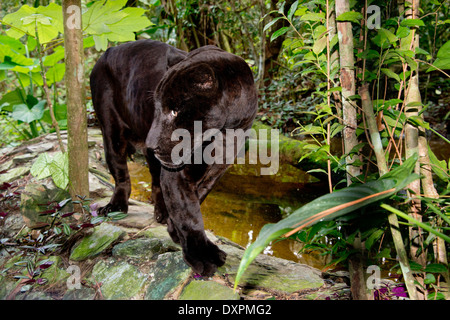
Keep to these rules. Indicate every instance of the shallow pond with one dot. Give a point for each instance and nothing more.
(243, 201)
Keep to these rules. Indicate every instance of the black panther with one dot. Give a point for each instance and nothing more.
(145, 90)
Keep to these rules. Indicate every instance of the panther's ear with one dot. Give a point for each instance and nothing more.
(200, 79)
(174, 56)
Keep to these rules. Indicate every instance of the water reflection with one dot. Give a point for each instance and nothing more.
(243, 201)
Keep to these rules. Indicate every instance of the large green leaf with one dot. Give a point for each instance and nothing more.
(442, 58)
(331, 206)
(17, 96)
(47, 21)
(59, 169)
(12, 53)
(23, 113)
(40, 167)
(55, 73)
(106, 21)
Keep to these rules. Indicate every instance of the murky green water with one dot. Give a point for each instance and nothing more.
(243, 201)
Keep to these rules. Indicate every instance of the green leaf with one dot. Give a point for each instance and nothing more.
(384, 38)
(279, 32)
(292, 10)
(436, 296)
(54, 12)
(436, 268)
(312, 16)
(418, 121)
(429, 279)
(351, 16)
(271, 23)
(59, 169)
(21, 112)
(124, 29)
(442, 58)
(40, 167)
(319, 45)
(412, 23)
(331, 206)
(13, 44)
(107, 22)
(66, 229)
(55, 73)
(402, 32)
(60, 111)
(101, 13)
(373, 238)
(15, 19)
(117, 215)
(391, 74)
(55, 57)
(439, 167)
(12, 98)
(101, 42)
(317, 170)
(47, 21)
(8, 55)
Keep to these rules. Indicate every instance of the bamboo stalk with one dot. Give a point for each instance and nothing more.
(382, 168)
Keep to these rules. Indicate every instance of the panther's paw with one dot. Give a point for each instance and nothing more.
(205, 260)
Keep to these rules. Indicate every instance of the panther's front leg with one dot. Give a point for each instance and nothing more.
(185, 223)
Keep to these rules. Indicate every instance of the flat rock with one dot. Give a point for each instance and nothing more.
(120, 280)
(14, 174)
(40, 147)
(24, 158)
(101, 239)
(139, 249)
(207, 290)
(98, 189)
(160, 232)
(276, 274)
(140, 214)
(79, 294)
(169, 272)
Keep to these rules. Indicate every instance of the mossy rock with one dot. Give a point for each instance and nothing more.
(160, 233)
(101, 239)
(120, 280)
(139, 249)
(54, 274)
(33, 200)
(273, 273)
(207, 290)
(169, 272)
(14, 174)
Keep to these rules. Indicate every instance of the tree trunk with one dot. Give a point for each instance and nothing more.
(347, 79)
(412, 108)
(76, 112)
(347, 61)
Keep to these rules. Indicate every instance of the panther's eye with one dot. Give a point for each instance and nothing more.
(173, 113)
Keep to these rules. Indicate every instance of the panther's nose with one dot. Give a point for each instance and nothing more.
(151, 141)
